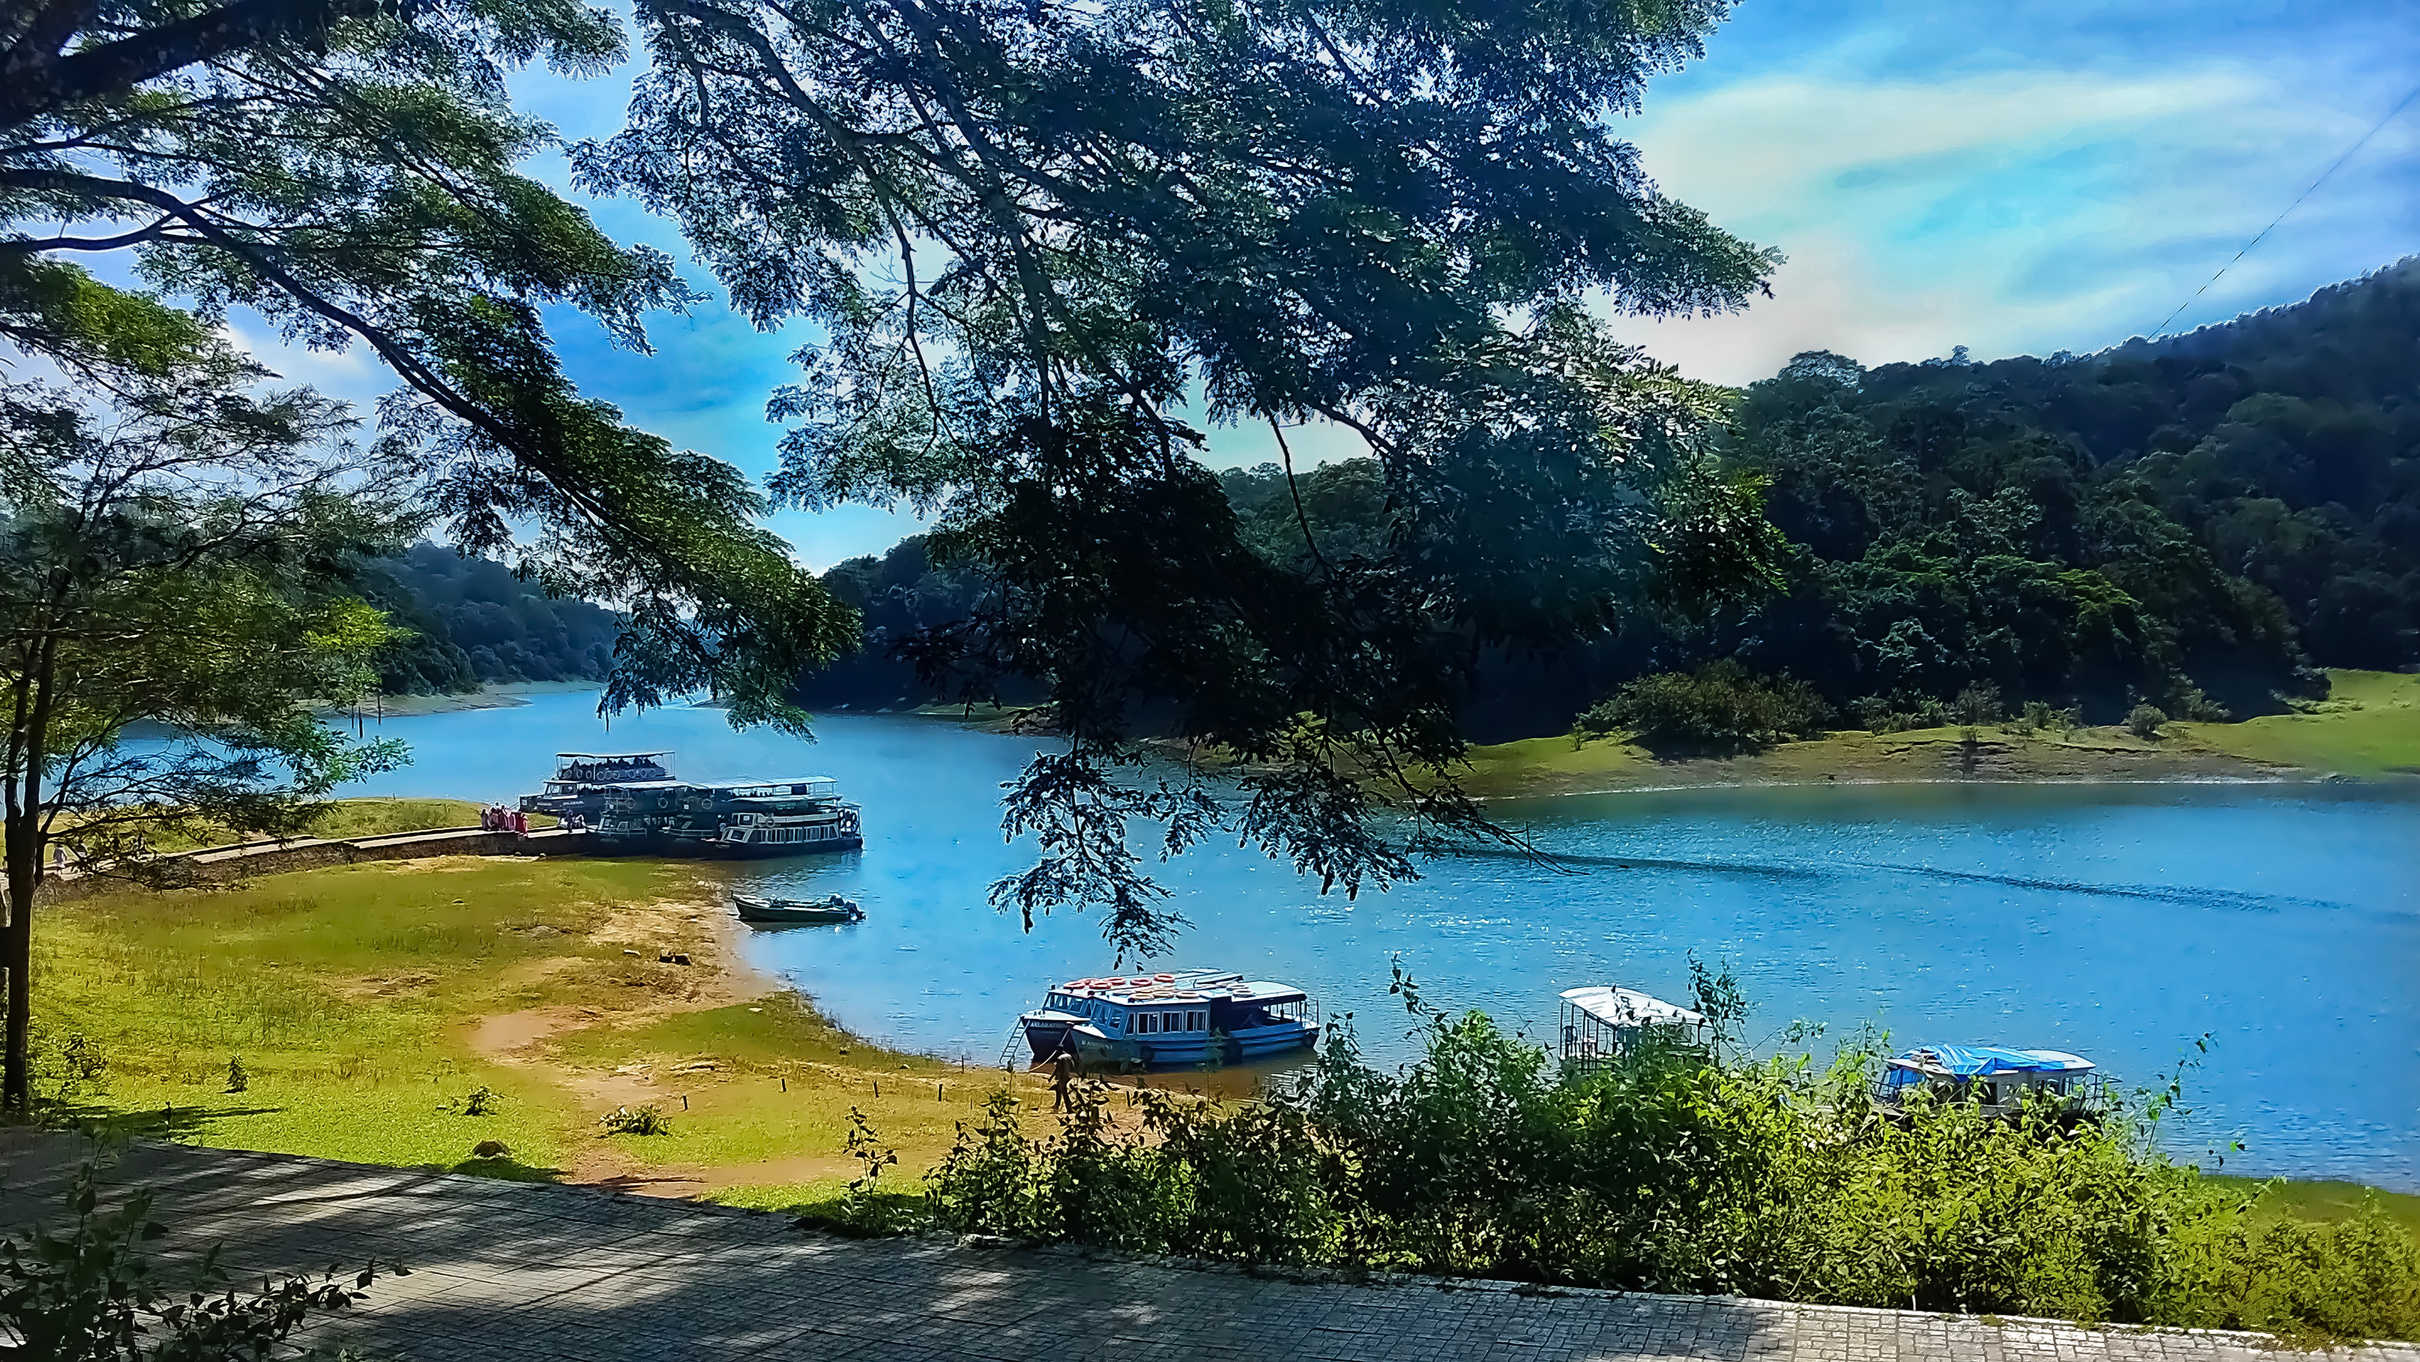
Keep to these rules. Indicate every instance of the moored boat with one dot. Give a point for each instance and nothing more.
(1165, 1020)
(634, 804)
(1999, 1080)
(1601, 1023)
(769, 911)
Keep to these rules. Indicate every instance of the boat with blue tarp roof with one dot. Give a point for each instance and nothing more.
(1998, 1079)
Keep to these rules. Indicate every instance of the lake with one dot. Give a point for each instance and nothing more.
(2117, 921)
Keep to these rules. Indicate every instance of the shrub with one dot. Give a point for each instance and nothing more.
(1977, 705)
(2190, 704)
(238, 1078)
(1719, 707)
(1899, 712)
(82, 1065)
(646, 1120)
(1677, 1170)
(2144, 721)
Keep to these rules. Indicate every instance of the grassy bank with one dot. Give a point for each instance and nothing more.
(1675, 1169)
(2369, 728)
(347, 818)
(366, 1005)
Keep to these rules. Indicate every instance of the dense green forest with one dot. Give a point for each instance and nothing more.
(2199, 524)
(473, 623)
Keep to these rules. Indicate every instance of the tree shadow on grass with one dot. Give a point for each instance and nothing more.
(172, 1123)
(505, 1167)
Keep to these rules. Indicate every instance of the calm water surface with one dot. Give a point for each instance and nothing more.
(2117, 921)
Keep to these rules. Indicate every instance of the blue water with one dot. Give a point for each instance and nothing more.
(2118, 921)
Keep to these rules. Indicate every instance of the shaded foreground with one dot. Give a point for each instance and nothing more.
(510, 1271)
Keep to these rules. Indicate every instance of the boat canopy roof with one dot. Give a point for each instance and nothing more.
(1627, 1007)
(781, 782)
(1183, 986)
(1978, 1061)
(650, 784)
(613, 756)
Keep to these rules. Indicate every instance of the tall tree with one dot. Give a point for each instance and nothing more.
(350, 170)
(1036, 231)
(179, 556)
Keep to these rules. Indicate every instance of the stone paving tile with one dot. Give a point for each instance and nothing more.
(506, 1272)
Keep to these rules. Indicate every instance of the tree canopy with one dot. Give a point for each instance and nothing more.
(178, 556)
(351, 171)
(1049, 241)
(2194, 526)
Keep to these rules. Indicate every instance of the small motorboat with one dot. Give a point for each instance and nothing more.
(779, 912)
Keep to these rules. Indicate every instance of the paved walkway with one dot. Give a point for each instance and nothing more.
(511, 1271)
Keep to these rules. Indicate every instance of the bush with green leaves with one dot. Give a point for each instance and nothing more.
(89, 1294)
(645, 1120)
(1720, 707)
(2145, 721)
(1680, 1169)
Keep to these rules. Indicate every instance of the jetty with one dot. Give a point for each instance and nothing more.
(233, 861)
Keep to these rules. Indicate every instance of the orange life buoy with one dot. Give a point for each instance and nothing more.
(1164, 978)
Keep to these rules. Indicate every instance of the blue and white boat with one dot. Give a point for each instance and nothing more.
(1999, 1080)
(1182, 1018)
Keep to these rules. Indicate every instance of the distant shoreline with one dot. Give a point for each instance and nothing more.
(510, 695)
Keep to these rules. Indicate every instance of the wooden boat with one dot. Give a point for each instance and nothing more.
(790, 912)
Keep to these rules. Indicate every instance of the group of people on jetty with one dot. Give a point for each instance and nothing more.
(499, 818)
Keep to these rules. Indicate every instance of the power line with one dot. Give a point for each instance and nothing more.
(2375, 128)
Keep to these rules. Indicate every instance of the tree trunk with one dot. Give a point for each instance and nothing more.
(16, 953)
(24, 855)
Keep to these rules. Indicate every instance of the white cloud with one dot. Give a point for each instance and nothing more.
(2016, 211)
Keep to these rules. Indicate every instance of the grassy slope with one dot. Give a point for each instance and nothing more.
(2369, 728)
(372, 816)
(351, 996)
(2328, 1202)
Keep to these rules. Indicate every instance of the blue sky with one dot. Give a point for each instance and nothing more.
(2018, 177)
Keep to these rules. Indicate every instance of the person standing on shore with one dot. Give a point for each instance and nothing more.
(1062, 1072)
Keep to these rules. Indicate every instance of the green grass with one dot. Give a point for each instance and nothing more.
(782, 1084)
(345, 993)
(347, 818)
(2369, 727)
(350, 995)
(2326, 1203)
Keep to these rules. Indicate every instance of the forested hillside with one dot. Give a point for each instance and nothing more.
(2199, 524)
(473, 623)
